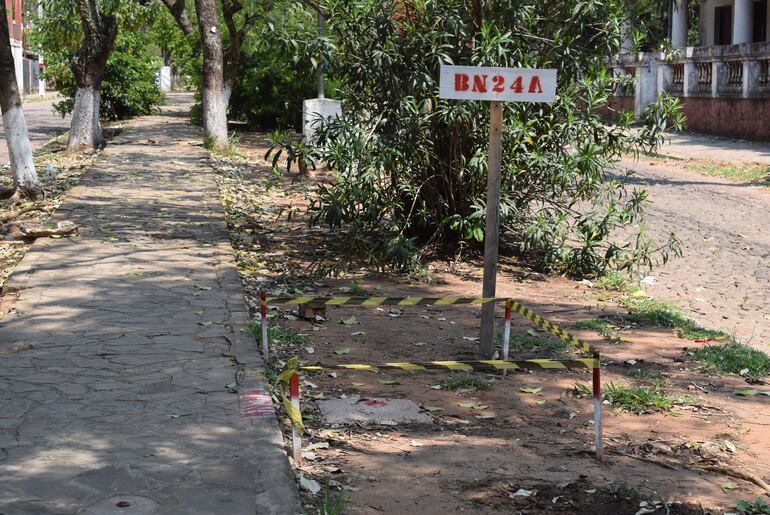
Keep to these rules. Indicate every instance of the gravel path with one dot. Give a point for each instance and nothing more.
(114, 364)
(723, 279)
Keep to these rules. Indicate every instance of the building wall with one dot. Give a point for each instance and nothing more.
(15, 22)
(744, 118)
(707, 20)
(16, 28)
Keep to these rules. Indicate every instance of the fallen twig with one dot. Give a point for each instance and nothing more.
(642, 458)
(40, 231)
(15, 214)
(738, 474)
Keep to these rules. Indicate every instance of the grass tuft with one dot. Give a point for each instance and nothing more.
(330, 504)
(758, 507)
(745, 172)
(466, 381)
(733, 358)
(280, 335)
(613, 281)
(642, 399)
(527, 344)
(660, 313)
(608, 331)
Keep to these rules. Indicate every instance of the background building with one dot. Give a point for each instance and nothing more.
(16, 28)
(723, 80)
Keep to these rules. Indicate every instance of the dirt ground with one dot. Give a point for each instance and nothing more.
(512, 451)
(723, 278)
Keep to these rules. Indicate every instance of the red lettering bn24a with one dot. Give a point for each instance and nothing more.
(482, 83)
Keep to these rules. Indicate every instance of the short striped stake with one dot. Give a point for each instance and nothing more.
(265, 343)
(598, 411)
(507, 332)
(296, 438)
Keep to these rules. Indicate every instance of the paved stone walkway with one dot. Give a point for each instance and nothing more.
(114, 365)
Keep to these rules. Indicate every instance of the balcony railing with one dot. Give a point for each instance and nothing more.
(731, 71)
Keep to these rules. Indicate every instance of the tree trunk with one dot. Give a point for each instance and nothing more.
(176, 8)
(16, 135)
(88, 68)
(214, 107)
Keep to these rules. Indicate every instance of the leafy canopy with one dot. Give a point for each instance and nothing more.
(128, 88)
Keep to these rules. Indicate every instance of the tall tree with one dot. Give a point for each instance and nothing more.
(214, 103)
(177, 10)
(25, 179)
(88, 67)
(237, 32)
(233, 53)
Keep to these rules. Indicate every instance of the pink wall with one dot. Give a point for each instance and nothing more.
(744, 118)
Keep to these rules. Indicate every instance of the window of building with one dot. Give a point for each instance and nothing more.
(723, 25)
(760, 21)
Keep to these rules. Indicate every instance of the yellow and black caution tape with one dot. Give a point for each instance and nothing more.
(295, 415)
(537, 320)
(464, 366)
(380, 301)
(293, 367)
(545, 325)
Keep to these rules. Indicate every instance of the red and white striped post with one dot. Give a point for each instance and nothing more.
(598, 408)
(263, 310)
(296, 438)
(507, 330)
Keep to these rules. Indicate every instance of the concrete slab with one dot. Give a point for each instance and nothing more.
(372, 412)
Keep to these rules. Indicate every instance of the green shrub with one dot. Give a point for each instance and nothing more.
(411, 168)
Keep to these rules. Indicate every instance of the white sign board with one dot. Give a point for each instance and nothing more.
(497, 84)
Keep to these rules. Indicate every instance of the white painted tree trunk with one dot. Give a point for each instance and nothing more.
(85, 129)
(214, 105)
(15, 126)
(20, 152)
(227, 94)
(215, 117)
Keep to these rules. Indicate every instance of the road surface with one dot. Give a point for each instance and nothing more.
(723, 279)
(43, 124)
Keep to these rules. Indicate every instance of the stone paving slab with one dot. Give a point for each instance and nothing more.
(114, 362)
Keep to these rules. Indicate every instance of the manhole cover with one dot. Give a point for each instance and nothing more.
(122, 505)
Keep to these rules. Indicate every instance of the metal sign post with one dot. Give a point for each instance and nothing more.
(496, 85)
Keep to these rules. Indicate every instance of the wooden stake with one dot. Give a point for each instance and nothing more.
(494, 180)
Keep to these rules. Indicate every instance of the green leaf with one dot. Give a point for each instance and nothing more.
(388, 381)
(340, 352)
(531, 390)
(729, 486)
(745, 393)
(350, 321)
